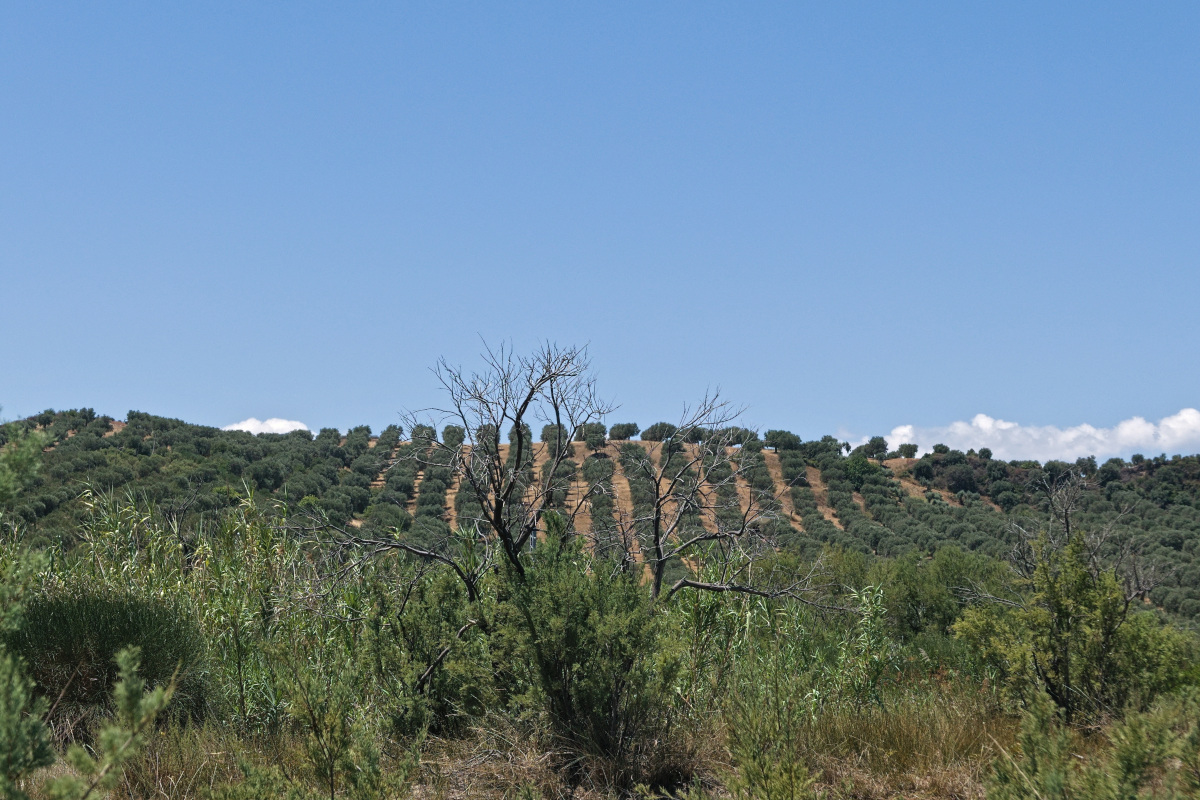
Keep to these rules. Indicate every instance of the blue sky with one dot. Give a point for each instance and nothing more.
(850, 217)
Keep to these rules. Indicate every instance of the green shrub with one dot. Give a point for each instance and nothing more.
(404, 635)
(765, 719)
(24, 739)
(1073, 633)
(70, 642)
(1145, 755)
(587, 645)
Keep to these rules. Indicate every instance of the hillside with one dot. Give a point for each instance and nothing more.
(885, 506)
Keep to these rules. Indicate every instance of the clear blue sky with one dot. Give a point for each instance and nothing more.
(848, 216)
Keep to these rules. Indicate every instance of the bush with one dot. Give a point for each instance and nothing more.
(591, 641)
(24, 739)
(1073, 636)
(960, 478)
(70, 642)
(923, 470)
(1147, 755)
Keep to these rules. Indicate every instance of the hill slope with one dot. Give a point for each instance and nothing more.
(825, 497)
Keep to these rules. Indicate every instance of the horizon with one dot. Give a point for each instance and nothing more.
(1006, 440)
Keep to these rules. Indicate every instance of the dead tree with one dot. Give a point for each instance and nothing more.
(511, 395)
(699, 471)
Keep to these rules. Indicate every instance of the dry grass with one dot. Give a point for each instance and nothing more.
(929, 750)
(503, 758)
(932, 745)
(185, 762)
(493, 761)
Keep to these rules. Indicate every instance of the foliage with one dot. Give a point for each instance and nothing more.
(24, 738)
(590, 429)
(20, 459)
(1072, 633)
(1153, 754)
(119, 740)
(71, 639)
(623, 430)
(342, 755)
(659, 432)
(876, 447)
(763, 743)
(590, 643)
(781, 440)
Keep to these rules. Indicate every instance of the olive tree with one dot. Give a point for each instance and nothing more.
(623, 430)
(781, 440)
(659, 431)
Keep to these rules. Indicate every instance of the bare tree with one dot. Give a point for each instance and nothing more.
(701, 512)
(699, 500)
(512, 393)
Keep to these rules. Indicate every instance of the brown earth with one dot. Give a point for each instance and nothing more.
(541, 457)
(821, 495)
(898, 465)
(452, 492)
(782, 490)
(623, 507)
(743, 486)
(575, 504)
(411, 505)
(708, 496)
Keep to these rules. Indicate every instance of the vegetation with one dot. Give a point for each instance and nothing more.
(623, 430)
(186, 612)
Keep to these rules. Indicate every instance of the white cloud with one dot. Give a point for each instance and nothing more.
(1178, 433)
(272, 425)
